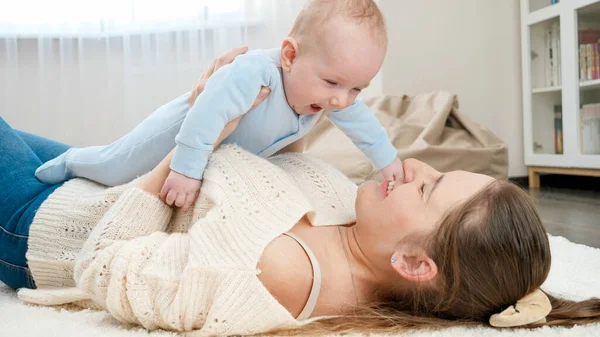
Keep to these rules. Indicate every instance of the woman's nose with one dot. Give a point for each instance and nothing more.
(414, 168)
(409, 171)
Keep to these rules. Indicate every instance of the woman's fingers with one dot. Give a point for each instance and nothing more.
(216, 63)
(264, 92)
(199, 86)
(209, 70)
(231, 125)
(229, 56)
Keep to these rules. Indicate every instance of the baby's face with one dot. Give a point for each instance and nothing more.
(330, 74)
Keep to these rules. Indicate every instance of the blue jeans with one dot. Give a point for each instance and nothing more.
(21, 194)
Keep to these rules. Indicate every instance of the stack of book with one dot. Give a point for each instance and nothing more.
(552, 67)
(590, 128)
(558, 133)
(589, 60)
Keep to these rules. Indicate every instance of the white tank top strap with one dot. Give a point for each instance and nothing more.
(316, 286)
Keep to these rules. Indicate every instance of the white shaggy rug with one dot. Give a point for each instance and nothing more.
(575, 274)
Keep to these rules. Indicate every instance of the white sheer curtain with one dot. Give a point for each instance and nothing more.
(85, 72)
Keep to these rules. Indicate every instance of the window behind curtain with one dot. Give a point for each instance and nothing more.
(63, 18)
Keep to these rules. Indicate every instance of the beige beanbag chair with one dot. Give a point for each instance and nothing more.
(427, 127)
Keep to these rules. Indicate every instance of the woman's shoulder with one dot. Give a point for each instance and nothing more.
(278, 278)
(257, 61)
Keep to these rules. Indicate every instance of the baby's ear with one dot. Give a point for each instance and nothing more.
(289, 50)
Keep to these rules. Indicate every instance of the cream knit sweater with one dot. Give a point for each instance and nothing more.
(125, 251)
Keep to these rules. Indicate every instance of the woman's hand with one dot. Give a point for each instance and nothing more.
(217, 63)
(155, 180)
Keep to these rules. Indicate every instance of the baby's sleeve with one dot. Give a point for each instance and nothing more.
(365, 131)
(229, 93)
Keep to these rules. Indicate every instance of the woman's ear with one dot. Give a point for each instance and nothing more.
(289, 51)
(414, 267)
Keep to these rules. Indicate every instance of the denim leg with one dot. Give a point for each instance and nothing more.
(45, 149)
(21, 196)
(130, 156)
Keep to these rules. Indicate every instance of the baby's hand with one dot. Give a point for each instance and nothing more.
(180, 190)
(394, 171)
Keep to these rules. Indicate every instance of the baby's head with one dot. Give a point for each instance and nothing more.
(333, 51)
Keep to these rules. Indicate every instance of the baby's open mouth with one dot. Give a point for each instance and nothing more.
(315, 107)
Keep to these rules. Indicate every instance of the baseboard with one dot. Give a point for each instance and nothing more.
(562, 181)
(520, 181)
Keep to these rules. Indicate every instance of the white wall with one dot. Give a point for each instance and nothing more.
(467, 47)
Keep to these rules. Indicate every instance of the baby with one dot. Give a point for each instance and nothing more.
(333, 51)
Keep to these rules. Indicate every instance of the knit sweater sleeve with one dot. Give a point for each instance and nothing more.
(109, 264)
(180, 281)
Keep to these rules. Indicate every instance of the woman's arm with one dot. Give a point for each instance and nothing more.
(142, 275)
(217, 63)
(129, 247)
(155, 180)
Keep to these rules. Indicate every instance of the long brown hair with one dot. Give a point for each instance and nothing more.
(491, 251)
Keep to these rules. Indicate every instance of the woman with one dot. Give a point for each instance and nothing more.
(285, 244)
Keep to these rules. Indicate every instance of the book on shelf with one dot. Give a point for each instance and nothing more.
(590, 128)
(558, 133)
(589, 55)
(552, 56)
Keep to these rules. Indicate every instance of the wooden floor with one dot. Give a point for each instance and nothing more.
(574, 214)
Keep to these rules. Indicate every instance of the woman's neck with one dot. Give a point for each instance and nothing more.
(340, 288)
(347, 274)
(374, 277)
(365, 278)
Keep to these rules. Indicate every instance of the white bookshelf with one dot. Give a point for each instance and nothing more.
(549, 84)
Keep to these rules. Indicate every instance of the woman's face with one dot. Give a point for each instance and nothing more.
(415, 205)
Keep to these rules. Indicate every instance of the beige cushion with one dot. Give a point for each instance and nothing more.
(427, 127)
